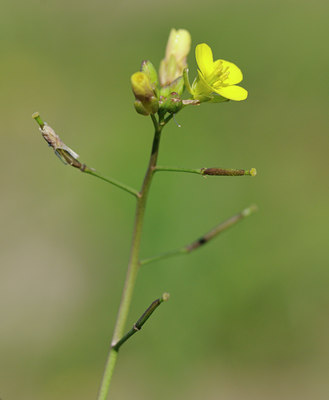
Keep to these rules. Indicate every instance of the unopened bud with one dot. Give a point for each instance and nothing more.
(176, 86)
(174, 63)
(141, 86)
(150, 71)
(144, 92)
(171, 104)
(140, 108)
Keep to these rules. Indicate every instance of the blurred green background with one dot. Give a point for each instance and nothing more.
(248, 314)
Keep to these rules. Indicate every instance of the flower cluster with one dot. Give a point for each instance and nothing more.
(216, 81)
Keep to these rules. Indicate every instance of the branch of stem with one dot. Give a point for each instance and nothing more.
(68, 156)
(141, 321)
(114, 182)
(209, 171)
(203, 239)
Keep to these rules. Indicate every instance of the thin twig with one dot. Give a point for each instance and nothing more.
(114, 182)
(68, 156)
(141, 321)
(203, 239)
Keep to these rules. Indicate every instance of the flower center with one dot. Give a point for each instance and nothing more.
(219, 75)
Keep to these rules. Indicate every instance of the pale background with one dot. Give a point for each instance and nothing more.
(248, 314)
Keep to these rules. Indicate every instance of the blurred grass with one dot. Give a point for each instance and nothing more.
(248, 313)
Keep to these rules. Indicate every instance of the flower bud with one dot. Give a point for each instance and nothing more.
(140, 108)
(144, 92)
(171, 104)
(178, 47)
(150, 71)
(141, 86)
(176, 86)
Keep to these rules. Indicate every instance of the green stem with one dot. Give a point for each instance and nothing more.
(112, 181)
(133, 264)
(162, 256)
(203, 239)
(177, 169)
(167, 119)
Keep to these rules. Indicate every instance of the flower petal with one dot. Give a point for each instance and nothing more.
(235, 75)
(204, 58)
(236, 93)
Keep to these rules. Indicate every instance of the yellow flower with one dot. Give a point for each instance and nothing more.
(174, 63)
(218, 76)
